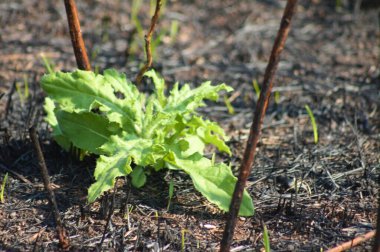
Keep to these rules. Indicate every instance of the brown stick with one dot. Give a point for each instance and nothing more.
(148, 37)
(76, 36)
(63, 239)
(353, 243)
(254, 134)
(376, 245)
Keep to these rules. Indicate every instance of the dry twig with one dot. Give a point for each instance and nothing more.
(148, 37)
(76, 36)
(353, 243)
(254, 134)
(63, 239)
(376, 245)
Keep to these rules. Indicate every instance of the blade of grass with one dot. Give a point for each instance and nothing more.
(48, 66)
(183, 231)
(256, 87)
(313, 123)
(266, 239)
(3, 187)
(171, 192)
(229, 106)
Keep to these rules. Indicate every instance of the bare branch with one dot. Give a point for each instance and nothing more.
(254, 134)
(148, 38)
(63, 239)
(76, 36)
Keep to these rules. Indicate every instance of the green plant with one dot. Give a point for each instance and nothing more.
(23, 94)
(313, 123)
(229, 106)
(266, 240)
(47, 63)
(136, 135)
(277, 97)
(3, 188)
(256, 87)
(171, 192)
(183, 231)
(174, 28)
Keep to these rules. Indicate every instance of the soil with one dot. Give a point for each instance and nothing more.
(330, 63)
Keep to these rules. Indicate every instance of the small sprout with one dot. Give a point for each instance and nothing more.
(48, 65)
(171, 192)
(277, 97)
(266, 239)
(183, 231)
(174, 27)
(313, 123)
(23, 94)
(3, 188)
(229, 106)
(256, 87)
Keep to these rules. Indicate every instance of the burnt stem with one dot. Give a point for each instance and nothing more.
(148, 38)
(63, 239)
(254, 134)
(76, 36)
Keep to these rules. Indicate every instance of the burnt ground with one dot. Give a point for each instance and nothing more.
(330, 63)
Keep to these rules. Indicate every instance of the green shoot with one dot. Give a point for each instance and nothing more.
(3, 188)
(171, 192)
(229, 106)
(266, 239)
(256, 87)
(23, 94)
(126, 216)
(26, 87)
(313, 123)
(183, 231)
(48, 65)
(136, 6)
(277, 97)
(174, 27)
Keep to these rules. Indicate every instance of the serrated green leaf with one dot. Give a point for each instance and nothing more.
(50, 118)
(107, 169)
(87, 131)
(215, 182)
(82, 91)
(138, 177)
(187, 100)
(210, 133)
(159, 84)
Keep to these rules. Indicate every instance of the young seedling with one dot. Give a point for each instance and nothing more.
(23, 93)
(174, 28)
(256, 87)
(3, 188)
(48, 65)
(313, 123)
(277, 97)
(183, 231)
(135, 135)
(171, 192)
(266, 240)
(229, 106)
